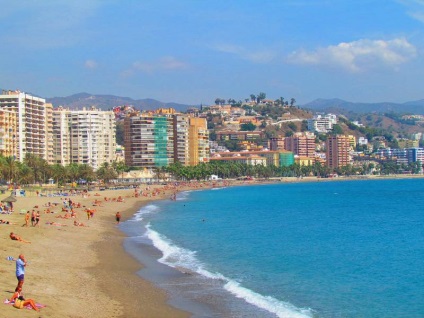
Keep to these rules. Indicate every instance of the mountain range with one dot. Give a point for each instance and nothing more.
(107, 102)
(335, 105)
(340, 106)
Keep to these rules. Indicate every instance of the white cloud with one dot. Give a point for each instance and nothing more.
(166, 63)
(90, 64)
(256, 56)
(358, 56)
(415, 9)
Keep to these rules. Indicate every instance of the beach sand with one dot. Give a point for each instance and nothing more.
(79, 271)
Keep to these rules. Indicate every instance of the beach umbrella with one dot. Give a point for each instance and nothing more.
(9, 199)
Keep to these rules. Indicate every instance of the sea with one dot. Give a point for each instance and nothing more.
(351, 249)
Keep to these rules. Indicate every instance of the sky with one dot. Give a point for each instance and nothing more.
(194, 51)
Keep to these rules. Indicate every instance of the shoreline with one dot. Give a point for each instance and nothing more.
(80, 271)
(86, 271)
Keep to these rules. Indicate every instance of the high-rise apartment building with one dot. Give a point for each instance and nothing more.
(85, 136)
(8, 137)
(338, 148)
(301, 144)
(149, 140)
(32, 124)
(181, 126)
(154, 140)
(198, 141)
(277, 143)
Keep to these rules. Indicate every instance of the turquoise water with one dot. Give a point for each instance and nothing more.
(323, 249)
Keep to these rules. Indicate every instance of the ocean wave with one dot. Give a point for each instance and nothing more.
(150, 208)
(277, 307)
(183, 195)
(181, 258)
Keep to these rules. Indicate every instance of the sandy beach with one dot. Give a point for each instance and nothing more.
(84, 271)
(79, 271)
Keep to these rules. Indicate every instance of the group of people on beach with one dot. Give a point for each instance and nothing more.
(17, 299)
(68, 207)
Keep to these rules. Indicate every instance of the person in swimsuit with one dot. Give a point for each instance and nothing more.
(20, 302)
(118, 217)
(15, 237)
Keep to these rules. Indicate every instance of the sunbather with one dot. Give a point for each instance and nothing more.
(15, 237)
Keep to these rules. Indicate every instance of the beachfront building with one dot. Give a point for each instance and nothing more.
(198, 141)
(155, 140)
(149, 140)
(84, 136)
(8, 138)
(337, 153)
(403, 155)
(277, 143)
(249, 159)
(279, 158)
(304, 160)
(301, 144)
(33, 128)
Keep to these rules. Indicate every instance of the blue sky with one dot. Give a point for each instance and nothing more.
(196, 51)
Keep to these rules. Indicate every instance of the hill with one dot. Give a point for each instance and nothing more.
(107, 102)
(340, 106)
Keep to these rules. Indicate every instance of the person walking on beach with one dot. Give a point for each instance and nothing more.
(27, 217)
(33, 214)
(118, 217)
(20, 271)
(37, 219)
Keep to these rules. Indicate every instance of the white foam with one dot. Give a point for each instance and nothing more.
(150, 208)
(214, 189)
(280, 308)
(178, 257)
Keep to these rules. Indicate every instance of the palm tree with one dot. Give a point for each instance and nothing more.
(9, 168)
(58, 173)
(106, 172)
(72, 171)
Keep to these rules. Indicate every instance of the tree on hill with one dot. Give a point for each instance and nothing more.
(247, 127)
(337, 129)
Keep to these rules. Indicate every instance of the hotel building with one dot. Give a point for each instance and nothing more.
(338, 148)
(154, 140)
(85, 136)
(33, 128)
(198, 141)
(272, 158)
(301, 144)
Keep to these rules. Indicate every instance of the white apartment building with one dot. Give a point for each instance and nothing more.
(33, 127)
(84, 136)
(322, 123)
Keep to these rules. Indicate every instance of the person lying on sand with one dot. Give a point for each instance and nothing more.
(55, 223)
(15, 237)
(20, 302)
(76, 223)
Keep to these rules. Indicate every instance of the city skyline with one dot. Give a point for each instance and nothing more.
(193, 52)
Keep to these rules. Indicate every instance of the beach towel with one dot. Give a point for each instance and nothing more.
(10, 258)
(8, 302)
